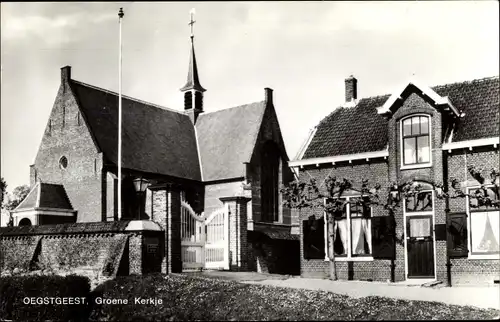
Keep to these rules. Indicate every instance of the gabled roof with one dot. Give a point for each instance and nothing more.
(429, 92)
(46, 195)
(155, 139)
(361, 129)
(226, 139)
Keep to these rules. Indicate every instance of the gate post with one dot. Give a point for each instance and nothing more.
(167, 212)
(238, 245)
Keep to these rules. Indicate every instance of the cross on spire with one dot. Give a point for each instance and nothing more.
(192, 21)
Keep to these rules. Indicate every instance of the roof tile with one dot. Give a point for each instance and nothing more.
(360, 129)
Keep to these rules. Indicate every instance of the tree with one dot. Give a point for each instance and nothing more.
(18, 195)
(3, 191)
(301, 195)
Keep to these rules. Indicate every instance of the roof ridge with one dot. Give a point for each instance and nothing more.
(374, 97)
(128, 97)
(467, 81)
(436, 86)
(225, 109)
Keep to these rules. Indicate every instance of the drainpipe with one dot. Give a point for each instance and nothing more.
(447, 210)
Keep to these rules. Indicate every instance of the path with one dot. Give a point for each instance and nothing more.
(478, 296)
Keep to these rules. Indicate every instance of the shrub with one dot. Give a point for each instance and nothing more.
(205, 299)
(14, 290)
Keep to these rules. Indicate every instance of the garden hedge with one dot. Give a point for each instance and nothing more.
(28, 298)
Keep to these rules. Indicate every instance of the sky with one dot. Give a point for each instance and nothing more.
(302, 50)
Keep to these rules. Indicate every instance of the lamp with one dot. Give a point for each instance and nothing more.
(140, 185)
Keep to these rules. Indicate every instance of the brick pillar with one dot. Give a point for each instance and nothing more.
(135, 254)
(159, 215)
(238, 245)
(174, 230)
(166, 212)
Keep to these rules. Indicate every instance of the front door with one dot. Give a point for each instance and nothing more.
(420, 246)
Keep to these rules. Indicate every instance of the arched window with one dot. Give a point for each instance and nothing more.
(25, 222)
(415, 140)
(63, 162)
(269, 182)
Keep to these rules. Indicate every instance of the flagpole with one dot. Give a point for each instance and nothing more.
(120, 15)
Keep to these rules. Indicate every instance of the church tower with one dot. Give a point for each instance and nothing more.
(193, 91)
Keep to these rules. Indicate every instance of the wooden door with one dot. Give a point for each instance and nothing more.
(420, 246)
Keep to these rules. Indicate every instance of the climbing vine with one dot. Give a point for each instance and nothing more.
(307, 194)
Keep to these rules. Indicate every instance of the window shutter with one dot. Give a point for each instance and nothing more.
(313, 239)
(440, 231)
(306, 238)
(456, 227)
(383, 241)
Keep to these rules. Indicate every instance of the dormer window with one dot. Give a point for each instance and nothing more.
(415, 141)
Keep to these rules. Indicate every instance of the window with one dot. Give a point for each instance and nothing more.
(313, 237)
(420, 202)
(269, 182)
(353, 237)
(483, 222)
(416, 140)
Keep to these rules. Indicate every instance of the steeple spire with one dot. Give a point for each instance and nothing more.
(193, 82)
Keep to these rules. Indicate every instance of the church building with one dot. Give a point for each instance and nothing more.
(236, 152)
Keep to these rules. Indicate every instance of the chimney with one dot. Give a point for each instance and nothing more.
(65, 74)
(269, 95)
(351, 89)
(65, 77)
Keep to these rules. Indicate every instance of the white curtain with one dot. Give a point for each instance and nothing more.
(495, 224)
(357, 237)
(485, 231)
(342, 224)
(478, 224)
(366, 225)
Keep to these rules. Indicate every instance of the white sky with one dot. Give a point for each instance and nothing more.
(303, 50)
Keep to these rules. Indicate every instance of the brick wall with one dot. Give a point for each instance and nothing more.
(464, 270)
(375, 172)
(94, 253)
(415, 104)
(67, 134)
(269, 131)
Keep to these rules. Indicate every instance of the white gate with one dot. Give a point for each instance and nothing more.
(204, 239)
(192, 238)
(217, 240)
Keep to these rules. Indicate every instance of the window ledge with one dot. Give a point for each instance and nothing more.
(352, 259)
(416, 166)
(485, 256)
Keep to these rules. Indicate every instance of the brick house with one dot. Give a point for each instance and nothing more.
(204, 157)
(428, 135)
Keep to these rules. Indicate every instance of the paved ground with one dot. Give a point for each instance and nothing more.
(482, 297)
(239, 276)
